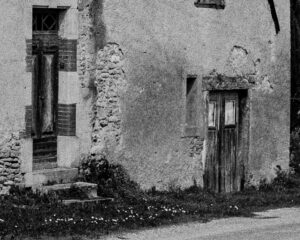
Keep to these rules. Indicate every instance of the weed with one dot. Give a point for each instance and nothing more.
(28, 213)
(112, 180)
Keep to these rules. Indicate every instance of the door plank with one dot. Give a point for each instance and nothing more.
(229, 140)
(35, 77)
(212, 166)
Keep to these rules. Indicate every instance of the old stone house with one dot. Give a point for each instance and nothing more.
(178, 92)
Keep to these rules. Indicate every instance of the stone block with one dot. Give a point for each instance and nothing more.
(7, 164)
(5, 154)
(59, 175)
(11, 160)
(14, 153)
(9, 183)
(2, 179)
(89, 189)
(4, 191)
(15, 165)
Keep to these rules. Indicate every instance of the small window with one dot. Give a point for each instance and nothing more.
(191, 101)
(212, 114)
(229, 112)
(217, 4)
(45, 20)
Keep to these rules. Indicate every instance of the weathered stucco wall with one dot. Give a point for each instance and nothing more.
(12, 66)
(16, 91)
(14, 94)
(133, 57)
(160, 41)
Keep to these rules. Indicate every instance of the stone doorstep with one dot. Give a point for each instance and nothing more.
(87, 201)
(89, 189)
(56, 175)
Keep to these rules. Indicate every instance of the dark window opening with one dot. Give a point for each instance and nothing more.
(191, 101)
(217, 4)
(45, 20)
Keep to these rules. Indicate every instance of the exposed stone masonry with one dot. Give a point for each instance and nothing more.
(10, 174)
(110, 82)
(196, 147)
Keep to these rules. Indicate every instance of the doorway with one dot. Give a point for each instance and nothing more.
(45, 88)
(222, 164)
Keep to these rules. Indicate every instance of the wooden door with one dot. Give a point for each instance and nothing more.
(221, 162)
(44, 98)
(44, 94)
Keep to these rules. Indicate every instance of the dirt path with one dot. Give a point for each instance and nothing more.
(283, 224)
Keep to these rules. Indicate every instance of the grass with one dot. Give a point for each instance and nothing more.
(24, 213)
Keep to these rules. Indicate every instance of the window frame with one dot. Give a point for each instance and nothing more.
(39, 12)
(197, 129)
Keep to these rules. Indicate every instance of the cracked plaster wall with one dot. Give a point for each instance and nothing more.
(14, 95)
(159, 41)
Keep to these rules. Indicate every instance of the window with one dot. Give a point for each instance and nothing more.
(193, 119)
(218, 4)
(229, 112)
(45, 20)
(191, 101)
(212, 114)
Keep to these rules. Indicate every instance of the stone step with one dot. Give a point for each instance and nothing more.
(54, 175)
(83, 190)
(85, 202)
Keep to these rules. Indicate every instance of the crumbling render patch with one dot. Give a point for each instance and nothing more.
(240, 63)
(264, 85)
(215, 81)
(10, 174)
(196, 147)
(110, 83)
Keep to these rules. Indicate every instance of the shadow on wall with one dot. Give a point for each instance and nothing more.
(92, 38)
(99, 36)
(99, 30)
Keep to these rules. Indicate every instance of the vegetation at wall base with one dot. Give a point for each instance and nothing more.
(28, 213)
(295, 150)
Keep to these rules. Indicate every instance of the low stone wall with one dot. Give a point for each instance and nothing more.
(10, 174)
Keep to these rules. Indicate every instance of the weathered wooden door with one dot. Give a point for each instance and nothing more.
(45, 91)
(45, 71)
(221, 162)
